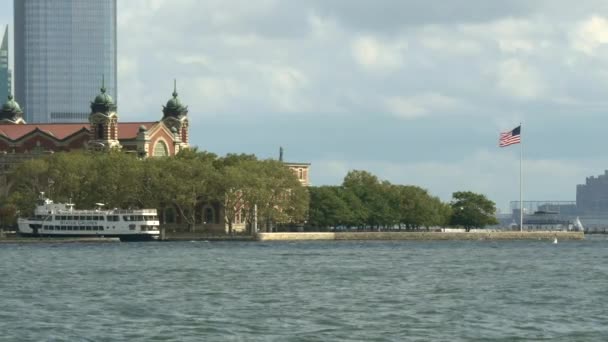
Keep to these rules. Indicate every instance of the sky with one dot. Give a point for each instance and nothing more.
(414, 92)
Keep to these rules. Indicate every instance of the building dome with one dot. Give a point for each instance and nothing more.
(103, 102)
(11, 111)
(174, 103)
(11, 105)
(174, 106)
(103, 98)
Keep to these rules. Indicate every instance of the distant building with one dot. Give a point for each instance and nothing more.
(592, 197)
(299, 169)
(62, 49)
(5, 72)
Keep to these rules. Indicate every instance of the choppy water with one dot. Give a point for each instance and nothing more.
(305, 291)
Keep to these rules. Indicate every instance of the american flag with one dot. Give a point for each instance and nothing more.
(511, 137)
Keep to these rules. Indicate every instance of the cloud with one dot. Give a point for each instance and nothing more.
(374, 54)
(519, 80)
(590, 35)
(422, 105)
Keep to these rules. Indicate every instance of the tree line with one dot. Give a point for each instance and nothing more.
(365, 202)
(257, 190)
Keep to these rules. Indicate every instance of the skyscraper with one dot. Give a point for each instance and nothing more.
(62, 50)
(5, 72)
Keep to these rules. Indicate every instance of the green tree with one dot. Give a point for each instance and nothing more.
(471, 210)
(328, 208)
(185, 182)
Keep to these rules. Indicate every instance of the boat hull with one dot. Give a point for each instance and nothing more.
(122, 237)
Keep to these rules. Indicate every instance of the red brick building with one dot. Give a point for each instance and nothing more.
(165, 137)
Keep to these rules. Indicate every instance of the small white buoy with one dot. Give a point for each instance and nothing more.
(554, 240)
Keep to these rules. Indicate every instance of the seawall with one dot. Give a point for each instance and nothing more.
(420, 236)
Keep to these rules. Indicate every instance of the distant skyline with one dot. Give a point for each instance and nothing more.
(413, 92)
(63, 49)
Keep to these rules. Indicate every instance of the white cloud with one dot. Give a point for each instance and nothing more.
(193, 59)
(590, 35)
(519, 80)
(375, 54)
(449, 44)
(421, 105)
(516, 45)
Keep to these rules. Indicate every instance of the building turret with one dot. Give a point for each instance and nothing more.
(11, 112)
(104, 122)
(175, 115)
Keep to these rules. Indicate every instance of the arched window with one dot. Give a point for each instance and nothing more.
(209, 215)
(160, 149)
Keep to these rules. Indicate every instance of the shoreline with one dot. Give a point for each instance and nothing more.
(420, 236)
(326, 236)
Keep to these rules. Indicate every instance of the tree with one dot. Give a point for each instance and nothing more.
(328, 208)
(471, 210)
(185, 182)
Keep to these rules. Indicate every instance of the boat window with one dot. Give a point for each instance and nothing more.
(131, 227)
(100, 218)
(100, 228)
(126, 218)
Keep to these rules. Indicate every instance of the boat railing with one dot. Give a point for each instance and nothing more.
(105, 212)
(134, 211)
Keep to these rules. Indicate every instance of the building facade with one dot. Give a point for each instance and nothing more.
(20, 140)
(62, 49)
(592, 197)
(5, 72)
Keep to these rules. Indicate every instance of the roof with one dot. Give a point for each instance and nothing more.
(296, 164)
(60, 131)
(129, 130)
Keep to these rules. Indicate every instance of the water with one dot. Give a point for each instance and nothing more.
(305, 291)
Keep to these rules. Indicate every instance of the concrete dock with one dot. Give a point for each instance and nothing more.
(421, 236)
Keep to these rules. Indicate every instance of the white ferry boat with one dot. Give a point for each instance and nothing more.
(62, 220)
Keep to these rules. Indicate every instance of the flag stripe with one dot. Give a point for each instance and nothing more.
(511, 137)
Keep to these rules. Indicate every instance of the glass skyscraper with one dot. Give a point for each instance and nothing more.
(5, 72)
(63, 48)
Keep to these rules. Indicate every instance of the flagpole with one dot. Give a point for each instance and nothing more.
(521, 201)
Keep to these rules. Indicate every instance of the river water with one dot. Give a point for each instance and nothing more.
(305, 291)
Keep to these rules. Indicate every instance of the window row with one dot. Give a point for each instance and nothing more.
(78, 218)
(96, 228)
